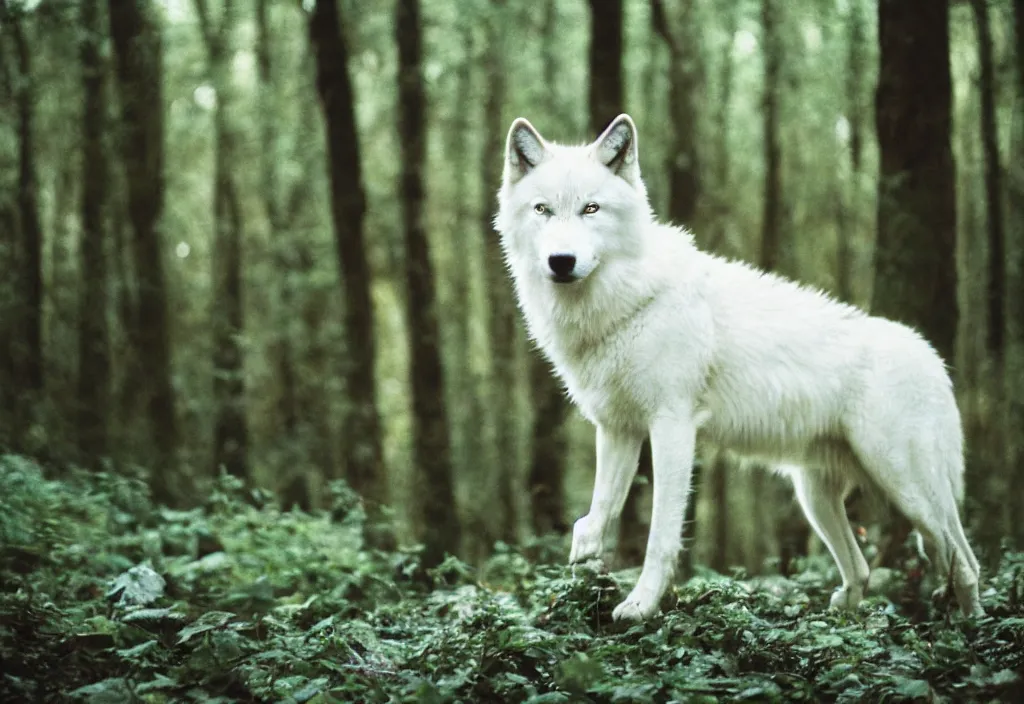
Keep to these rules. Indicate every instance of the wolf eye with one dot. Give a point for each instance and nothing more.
(540, 209)
(591, 208)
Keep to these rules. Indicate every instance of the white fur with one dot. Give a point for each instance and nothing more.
(655, 337)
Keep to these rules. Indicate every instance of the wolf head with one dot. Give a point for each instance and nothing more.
(563, 212)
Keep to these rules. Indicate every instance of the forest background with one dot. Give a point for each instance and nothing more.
(255, 237)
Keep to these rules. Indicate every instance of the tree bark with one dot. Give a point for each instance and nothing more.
(993, 186)
(281, 351)
(27, 320)
(773, 255)
(1014, 299)
(139, 52)
(606, 99)
(93, 334)
(848, 203)
(502, 325)
(915, 272)
(431, 448)
(230, 434)
(362, 442)
(686, 89)
(9, 235)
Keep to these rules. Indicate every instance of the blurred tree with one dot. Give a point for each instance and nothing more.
(546, 480)
(9, 232)
(230, 434)
(502, 320)
(915, 273)
(686, 93)
(362, 442)
(27, 251)
(431, 448)
(136, 37)
(606, 92)
(848, 205)
(994, 522)
(281, 350)
(993, 185)
(774, 242)
(1014, 376)
(915, 257)
(93, 337)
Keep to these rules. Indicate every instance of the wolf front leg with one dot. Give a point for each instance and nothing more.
(617, 456)
(672, 445)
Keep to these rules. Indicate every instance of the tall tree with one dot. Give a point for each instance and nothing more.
(546, 479)
(849, 202)
(502, 321)
(915, 266)
(606, 91)
(282, 352)
(686, 89)
(994, 523)
(364, 465)
(26, 343)
(230, 434)
(773, 249)
(93, 336)
(431, 448)
(138, 48)
(993, 184)
(9, 233)
(1014, 376)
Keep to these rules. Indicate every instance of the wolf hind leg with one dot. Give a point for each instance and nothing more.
(821, 494)
(909, 475)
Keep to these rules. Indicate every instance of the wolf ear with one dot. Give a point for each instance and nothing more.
(524, 149)
(617, 148)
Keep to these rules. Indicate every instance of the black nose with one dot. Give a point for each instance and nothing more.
(562, 264)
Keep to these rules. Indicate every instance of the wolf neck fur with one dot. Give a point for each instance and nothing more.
(570, 318)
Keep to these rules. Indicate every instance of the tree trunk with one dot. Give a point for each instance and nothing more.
(915, 272)
(431, 443)
(281, 351)
(915, 254)
(1014, 300)
(849, 202)
(9, 235)
(138, 48)
(26, 343)
(686, 91)
(93, 335)
(230, 436)
(993, 186)
(996, 523)
(363, 454)
(503, 314)
(773, 255)
(546, 480)
(606, 98)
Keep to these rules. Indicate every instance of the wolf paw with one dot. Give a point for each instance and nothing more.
(846, 598)
(587, 540)
(639, 605)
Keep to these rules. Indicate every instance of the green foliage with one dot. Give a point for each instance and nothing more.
(106, 598)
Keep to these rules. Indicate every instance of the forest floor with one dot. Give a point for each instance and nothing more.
(107, 598)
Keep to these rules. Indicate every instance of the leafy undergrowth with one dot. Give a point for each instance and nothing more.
(106, 598)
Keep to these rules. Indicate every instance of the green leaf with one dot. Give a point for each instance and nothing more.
(209, 621)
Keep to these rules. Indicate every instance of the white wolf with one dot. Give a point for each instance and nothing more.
(652, 336)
